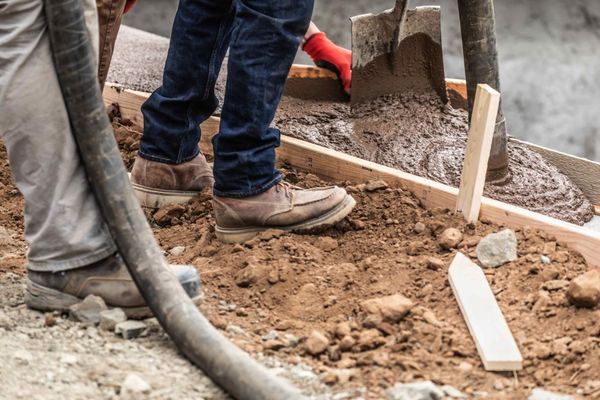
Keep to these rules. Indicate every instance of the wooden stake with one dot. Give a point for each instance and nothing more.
(477, 152)
(495, 343)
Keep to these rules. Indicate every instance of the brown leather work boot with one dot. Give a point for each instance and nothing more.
(157, 184)
(107, 278)
(283, 207)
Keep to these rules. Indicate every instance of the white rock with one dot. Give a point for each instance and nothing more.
(453, 392)
(545, 260)
(497, 248)
(130, 329)
(422, 390)
(541, 394)
(134, 384)
(23, 356)
(88, 311)
(177, 250)
(110, 318)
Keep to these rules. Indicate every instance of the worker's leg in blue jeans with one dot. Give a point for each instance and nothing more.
(263, 37)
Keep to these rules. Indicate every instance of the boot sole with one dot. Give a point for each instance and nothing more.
(240, 235)
(157, 198)
(42, 298)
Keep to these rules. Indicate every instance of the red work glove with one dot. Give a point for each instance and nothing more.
(327, 54)
(129, 5)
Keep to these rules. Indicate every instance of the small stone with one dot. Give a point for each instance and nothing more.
(5, 321)
(450, 238)
(342, 329)
(134, 385)
(435, 264)
(541, 351)
(453, 392)
(419, 227)
(541, 394)
(177, 251)
(465, 366)
(272, 335)
(329, 378)
(391, 308)
(370, 339)
(237, 248)
(346, 363)
(130, 329)
(545, 260)
(374, 185)
(49, 320)
(422, 390)
(166, 214)
(561, 256)
(110, 318)
(497, 248)
(498, 385)
(327, 243)
(555, 284)
(584, 291)
(68, 359)
(347, 343)
(270, 234)
(357, 224)
(88, 311)
(316, 343)
(23, 356)
(208, 251)
(274, 344)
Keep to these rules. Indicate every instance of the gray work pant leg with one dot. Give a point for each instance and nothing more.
(63, 224)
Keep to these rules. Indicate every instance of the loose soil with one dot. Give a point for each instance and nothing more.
(269, 294)
(420, 135)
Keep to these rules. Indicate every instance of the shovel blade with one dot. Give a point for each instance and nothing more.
(392, 56)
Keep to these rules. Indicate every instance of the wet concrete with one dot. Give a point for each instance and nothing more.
(420, 135)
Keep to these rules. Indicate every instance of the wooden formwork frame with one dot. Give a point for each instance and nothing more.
(338, 166)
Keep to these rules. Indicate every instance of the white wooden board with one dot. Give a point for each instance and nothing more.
(495, 343)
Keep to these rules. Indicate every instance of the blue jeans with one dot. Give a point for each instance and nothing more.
(262, 37)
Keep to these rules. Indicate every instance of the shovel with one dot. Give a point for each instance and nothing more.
(397, 51)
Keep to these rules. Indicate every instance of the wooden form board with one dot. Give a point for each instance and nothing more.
(477, 153)
(339, 166)
(495, 343)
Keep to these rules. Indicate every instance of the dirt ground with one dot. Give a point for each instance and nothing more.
(270, 294)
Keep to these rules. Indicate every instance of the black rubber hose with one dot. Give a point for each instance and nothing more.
(478, 30)
(227, 365)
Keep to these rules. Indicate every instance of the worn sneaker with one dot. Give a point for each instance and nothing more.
(283, 207)
(107, 278)
(157, 184)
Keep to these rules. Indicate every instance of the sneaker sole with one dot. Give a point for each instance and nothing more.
(42, 298)
(240, 235)
(157, 198)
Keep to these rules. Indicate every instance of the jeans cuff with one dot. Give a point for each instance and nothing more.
(250, 193)
(151, 157)
(57, 266)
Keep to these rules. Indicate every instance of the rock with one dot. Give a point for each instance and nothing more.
(134, 385)
(435, 264)
(316, 343)
(251, 274)
(165, 215)
(130, 329)
(545, 260)
(326, 243)
(541, 394)
(5, 321)
(422, 390)
(68, 359)
(453, 392)
(347, 343)
(88, 311)
(177, 250)
(274, 344)
(555, 284)
(342, 329)
(584, 291)
(541, 351)
(110, 318)
(497, 248)
(269, 234)
(23, 356)
(370, 339)
(450, 238)
(465, 366)
(419, 227)
(377, 184)
(391, 308)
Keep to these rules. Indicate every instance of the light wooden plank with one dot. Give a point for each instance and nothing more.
(477, 153)
(495, 343)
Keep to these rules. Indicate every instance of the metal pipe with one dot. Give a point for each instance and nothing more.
(196, 338)
(478, 30)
